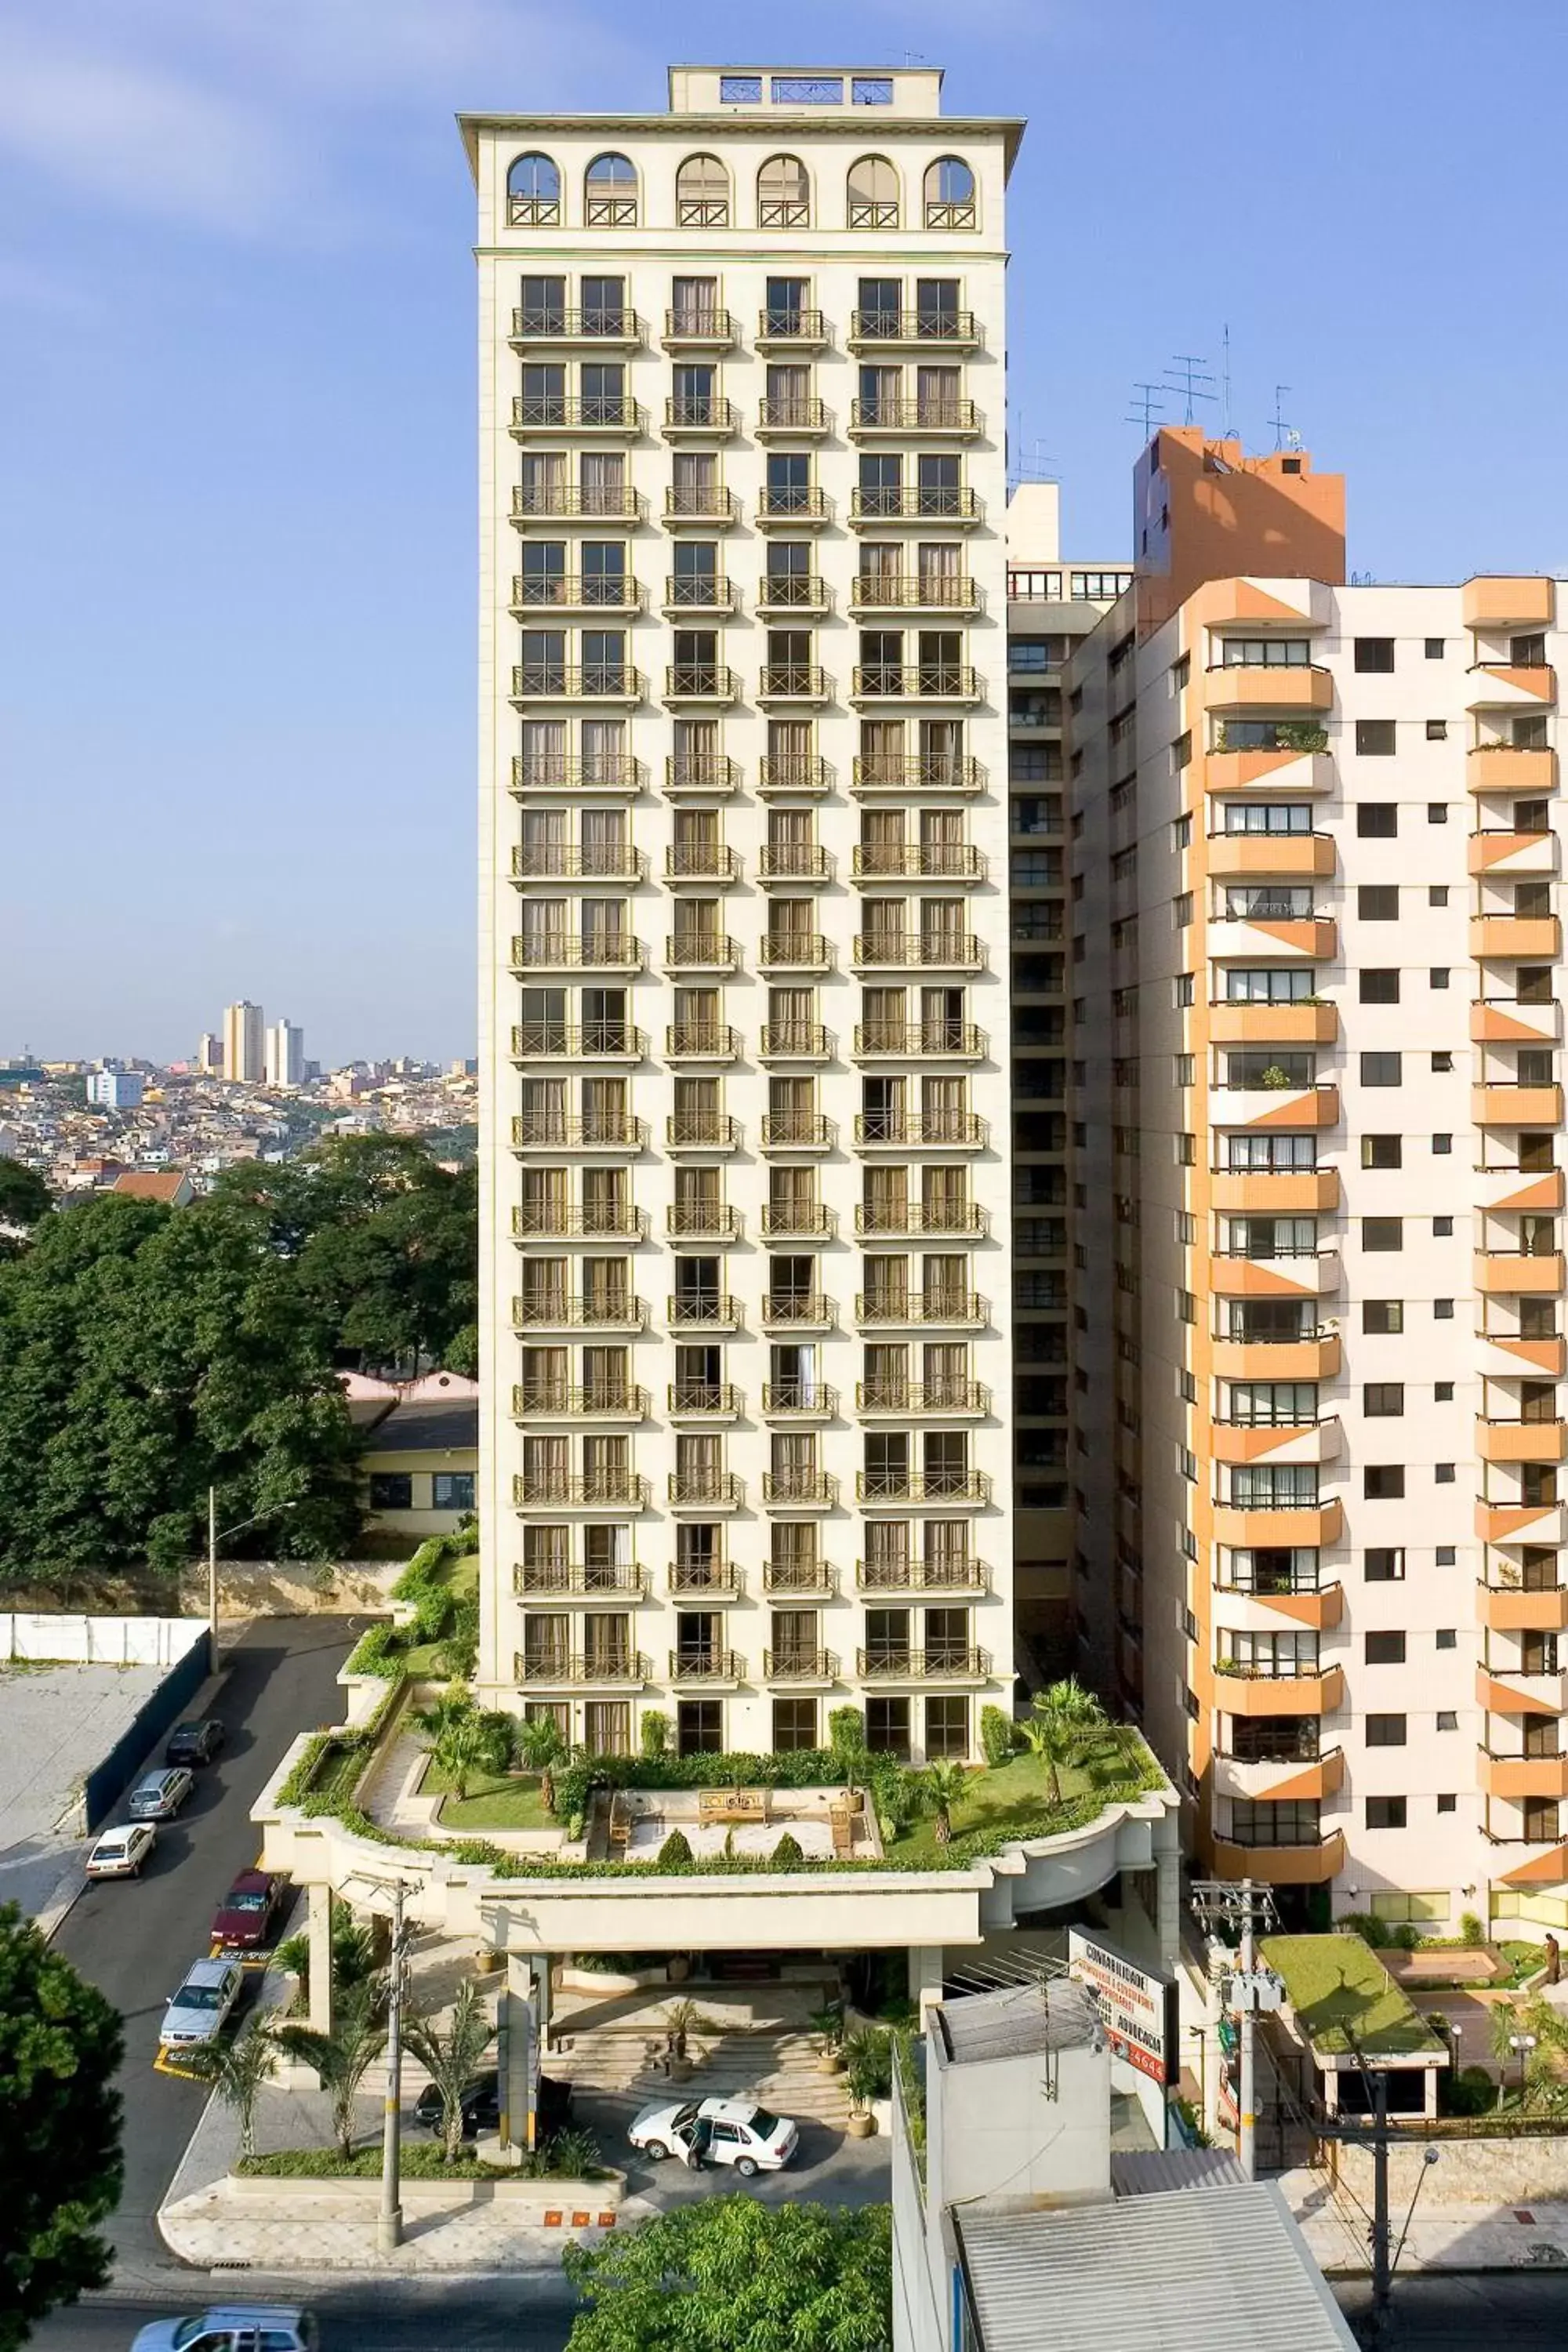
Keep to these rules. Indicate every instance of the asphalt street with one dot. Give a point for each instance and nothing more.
(1528, 2312)
(134, 1938)
(370, 2314)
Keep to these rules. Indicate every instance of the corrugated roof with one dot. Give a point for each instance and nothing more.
(1219, 2270)
(1157, 2171)
(1017, 2021)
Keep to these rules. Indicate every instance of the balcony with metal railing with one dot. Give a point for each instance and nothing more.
(700, 773)
(700, 418)
(595, 1490)
(809, 775)
(925, 861)
(552, 681)
(881, 774)
(558, 1399)
(953, 504)
(709, 1669)
(700, 950)
(702, 1310)
(700, 329)
(703, 682)
(574, 591)
(793, 592)
(916, 592)
(706, 505)
(932, 1664)
(571, 951)
(603, 1131)
(705, 592)
(935, 951)
(557, 1670)
(918, 1309)
(716, 1576)
(601, 325)
(791, 950)
(950, 1574)
(801, 1221)
(790, 681)
(800, 1669)
(794, 506)
(572, 502)
(956, 419)
(797, 1131)
(554, 1311)
(942, 1219)
(953, 1399)
(704, 1221)
(884, 1489)
(554, 412)
(596, 1221)
(704, 1401)
(571, 861)
(615, 1581)
(791, 328)
(565, 1040)
(799, 1310)
(878, 330)
(793, 861)
(705, 861)
(938, 682)
(701, 1041)
(705, 1490)
(919, 1041)
(703, 1130)
(811, 1401)
(914, 1130)
(797, 1576)
(799, 1490)
(798, 419)
(602, 774)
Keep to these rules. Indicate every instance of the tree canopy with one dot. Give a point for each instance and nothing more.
(728, 2274)
(23, 1199)
(59, 2151)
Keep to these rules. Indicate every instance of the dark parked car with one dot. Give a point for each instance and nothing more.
(193, 1743)
(244, 1918)
(482, 2107)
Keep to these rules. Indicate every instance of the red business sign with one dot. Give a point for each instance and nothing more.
(1135, 2007)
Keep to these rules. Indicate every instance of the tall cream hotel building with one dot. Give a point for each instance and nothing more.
(743, 825)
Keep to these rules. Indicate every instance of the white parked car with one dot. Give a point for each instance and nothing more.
(198, 2013)
(232, 2327)
(716, 2131)
(121, 1852)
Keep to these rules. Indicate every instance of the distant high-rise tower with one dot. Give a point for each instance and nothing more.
(243, 1057)
(285, 1054)
(209, 1054)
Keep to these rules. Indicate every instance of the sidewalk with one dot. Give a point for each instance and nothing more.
(1441, 2237)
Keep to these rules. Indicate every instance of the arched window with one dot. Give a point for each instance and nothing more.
(702, 193)
(610, 192)
(783, 193)
(873, 194)
(533, 193)
(950, 193)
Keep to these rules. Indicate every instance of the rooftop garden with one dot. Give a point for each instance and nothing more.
(1345, 2001)
(438, 1638)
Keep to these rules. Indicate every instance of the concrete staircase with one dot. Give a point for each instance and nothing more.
(778, 2070)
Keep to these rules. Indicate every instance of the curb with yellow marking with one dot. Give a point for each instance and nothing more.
(166, 2063)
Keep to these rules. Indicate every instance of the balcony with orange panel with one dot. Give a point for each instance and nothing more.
(1525, 939)
(1282, 689)
(1282, 1865)
(1504, 850)
(1505, 686)
(1521, 1777)
(1284, 1440)
(1265, 857)
(1270, 1107)
(1238, 1692)
(1520, 1523)
(1314, 939)
(1246, 1527)
(1497, 600)
(1511, 1188)
(1273, 1025)
(1499, 1103)
(1508, 1021)
(1313, 1357)
(1502, 1440)
(1307, 1274)
(1527, 1273)
(1288, 772)
(1509, 1608)
(1503, 1690)
(1307, 1780)
(1284, 1192)
(1510, 768)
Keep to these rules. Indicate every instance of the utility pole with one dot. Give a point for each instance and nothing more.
(1382, 2269)
(1238, 1904)
(389, 2221)
(212, 1579)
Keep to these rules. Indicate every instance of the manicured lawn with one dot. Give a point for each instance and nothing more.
(1017, 1796)
(422, 1661)
(1339, 1988)
(494, 1801)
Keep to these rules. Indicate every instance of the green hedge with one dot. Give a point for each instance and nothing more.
(377, 1652)
(799, 1768)
(327, 1769)
(420, 2160)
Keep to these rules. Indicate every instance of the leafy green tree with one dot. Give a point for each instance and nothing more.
(1066, 1718)
(25, 1200)
(60, 2168)
(237, 2068)
(452, 2057)
(342, 2058)
(728, 2274)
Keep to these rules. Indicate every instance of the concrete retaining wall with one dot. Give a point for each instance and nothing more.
(68, 1640)
(293, 1588)
(1491, 2172)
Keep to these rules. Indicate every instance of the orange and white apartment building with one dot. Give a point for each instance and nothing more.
(1318, 1168)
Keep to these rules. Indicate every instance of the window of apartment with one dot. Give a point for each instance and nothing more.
(1029, 586)
(1382, 1399)
(1186, 1070)
(1442, 1310)
(1255, 1823)
(1437, 812)
(1381, 1151)
(1377, 820)
(1442, 1392)
(1384, 1564)
(1385, 1649)
(1447, 1803)
(1448, 1719)
(1382, 1315)
(1447, 1637)
(1438, 976)
(1374, 652)
(1182, 909)
(391, 1490)
(1385, 1731)
(1182, 990)
(1442, 1063)
(1443, 1474)
(1434, 648)
(1437, 730)
(1383, 1233)
(1383, 1482)
(1437, 894)
(1378, 902)
(1374, 738)
(1181, 833)
(1386, 1812)
(1442, 1228)
(452, 1490)
(1379, 985)
(1380, 1070)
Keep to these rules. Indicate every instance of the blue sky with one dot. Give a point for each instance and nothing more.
(236, 412)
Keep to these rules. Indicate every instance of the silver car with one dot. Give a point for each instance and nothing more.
(232, 2327)
(198, 2013)
(158, 1796)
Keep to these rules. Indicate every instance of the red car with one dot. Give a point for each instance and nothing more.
(244, 1919)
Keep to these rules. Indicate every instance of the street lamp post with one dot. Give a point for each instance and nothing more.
(378, 1892)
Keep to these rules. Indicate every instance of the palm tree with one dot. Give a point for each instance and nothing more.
(237, 2070)
(342, 2058)
(1065, 1715)
(452, 2059)
(942, 1787)
(1502, 2025)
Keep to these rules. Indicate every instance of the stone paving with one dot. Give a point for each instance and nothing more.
(1441, 2236)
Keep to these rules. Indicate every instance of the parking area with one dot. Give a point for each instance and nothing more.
(56, 1723)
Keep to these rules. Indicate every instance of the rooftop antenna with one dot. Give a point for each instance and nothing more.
(1031, 464)
(1147, 401)
(1283, 432)
(1224, 423)
(1191, 382)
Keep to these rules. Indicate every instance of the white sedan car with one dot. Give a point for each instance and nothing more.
(121, 1852)
(716, 2131)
